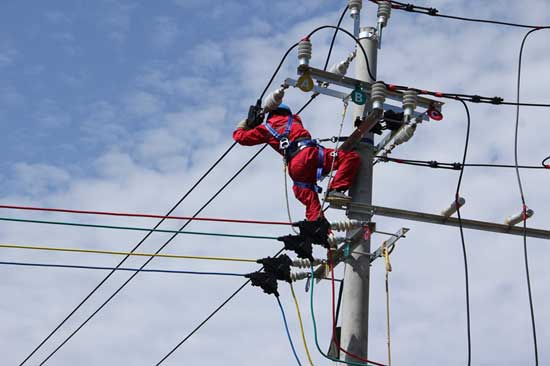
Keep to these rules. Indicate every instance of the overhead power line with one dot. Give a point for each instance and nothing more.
(434, 12)
(73, 266)
(152, 216)
(83, 301)
(456, 165)
(115, 252)
(134, 228)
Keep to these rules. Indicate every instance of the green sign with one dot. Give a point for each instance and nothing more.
(358, 96)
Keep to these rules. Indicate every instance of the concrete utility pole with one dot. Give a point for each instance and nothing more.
(355, 302)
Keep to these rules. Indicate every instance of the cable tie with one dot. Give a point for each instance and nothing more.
(476, 98)
(457, 166)
(433, 11)
(438, 94)
(496, 100)
(409, 7)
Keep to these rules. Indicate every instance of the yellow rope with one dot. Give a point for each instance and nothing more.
(112, 252)
(301, 324)
(388, 270)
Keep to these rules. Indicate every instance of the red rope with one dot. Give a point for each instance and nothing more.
(29, 208)
(334, 338)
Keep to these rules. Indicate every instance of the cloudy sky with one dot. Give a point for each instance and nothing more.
(121, 105)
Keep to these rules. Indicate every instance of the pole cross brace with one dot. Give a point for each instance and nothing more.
(328, 77)
(388, 243)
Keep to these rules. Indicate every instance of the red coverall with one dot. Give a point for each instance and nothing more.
(303, 166)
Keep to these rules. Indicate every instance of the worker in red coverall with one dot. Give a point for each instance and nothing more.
(307, 161)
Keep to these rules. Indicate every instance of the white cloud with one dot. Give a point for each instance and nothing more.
(166, 32)
(143, 104)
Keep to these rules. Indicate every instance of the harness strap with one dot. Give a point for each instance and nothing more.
(314, 187)
(276, 134)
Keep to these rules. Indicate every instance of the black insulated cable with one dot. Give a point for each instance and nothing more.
(522, 196)
(151, 258)
(464, 254)
(434, 12)
(126, 257)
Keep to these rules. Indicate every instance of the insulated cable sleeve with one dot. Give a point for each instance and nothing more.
(287, 331)
(224, 154)
(133, 228)
(150, 259)
(300, 322)
(72, 266)
(152, 216)
(113, 252)
(208, 317)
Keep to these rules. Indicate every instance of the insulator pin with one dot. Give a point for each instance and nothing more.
(410, 98)
(341, 68)
(296, 276)
(304, 51)
(383, 14)
(345, 225)
(378, 95)
(305, 263)
(449, 211)
(517, 218)
(355, 6)
(274, 99)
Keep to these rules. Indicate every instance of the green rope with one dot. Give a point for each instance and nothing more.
(139, 229)
(315, 328)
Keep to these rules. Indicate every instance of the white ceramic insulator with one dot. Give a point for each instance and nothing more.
(345, 225)
(274, 99)
(449, 211)
(305, 263)
(517, 218)
(296, 276)
(304, 51)
(341, 68)
(410, 98)
(355, 6)
(384, 12)
(378, 95)
(404, 134)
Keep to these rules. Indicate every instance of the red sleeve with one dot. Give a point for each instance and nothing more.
(255, 136)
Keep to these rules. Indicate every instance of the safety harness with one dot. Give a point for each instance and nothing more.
(292, 148)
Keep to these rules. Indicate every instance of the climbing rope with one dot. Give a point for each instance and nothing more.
(285, 166)
(386, 255)
(335, 152)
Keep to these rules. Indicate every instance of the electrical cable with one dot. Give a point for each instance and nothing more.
(126, 214)
(352, 37)
(334, 338)
(287, 331)
(150, 259)
(315, 328)
(456, 165)
(545, 164)
(300, 322)
(434, 12)
(133, 228)
(127, 269)
(113, 252)
(208, 317)
(464, 254)
(522, 196)
(124, 259)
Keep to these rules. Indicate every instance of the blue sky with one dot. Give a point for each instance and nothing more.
(122, 105)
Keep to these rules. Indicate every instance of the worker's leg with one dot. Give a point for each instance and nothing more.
(347, 165)
(303, 168)
(311, 200)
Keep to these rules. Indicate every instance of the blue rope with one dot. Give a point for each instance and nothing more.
(121, 269)
(287, 331)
